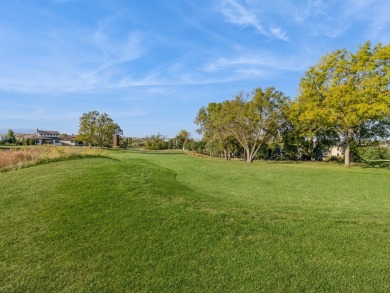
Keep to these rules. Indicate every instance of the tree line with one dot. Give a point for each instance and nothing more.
(343, 100)
(182, 141)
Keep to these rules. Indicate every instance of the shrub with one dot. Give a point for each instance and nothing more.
(375, 153)
(18, 158)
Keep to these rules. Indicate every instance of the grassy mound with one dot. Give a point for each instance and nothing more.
(170, 222)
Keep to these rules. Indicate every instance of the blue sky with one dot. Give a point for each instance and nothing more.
(151, 64)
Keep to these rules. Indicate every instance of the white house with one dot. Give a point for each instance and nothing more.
(336, 151)
(47, 137)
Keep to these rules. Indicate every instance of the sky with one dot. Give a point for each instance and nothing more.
(152, 64)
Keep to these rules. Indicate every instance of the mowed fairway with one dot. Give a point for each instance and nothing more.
(171, 222)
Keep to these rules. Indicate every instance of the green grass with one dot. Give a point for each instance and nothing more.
(166, 221)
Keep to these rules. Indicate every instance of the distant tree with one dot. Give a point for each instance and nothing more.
(97, 129)
(105, 130)
(373, 132)
(181, 139)
(211, 125)
(200, 146)
(125, 142)
(347, 93)
(88, 125)
(11, 136)
(156, 142)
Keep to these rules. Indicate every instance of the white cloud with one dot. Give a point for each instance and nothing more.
(66, 59)
(237, 13)
(277, 31)
(333, 18)
(373, 14)
(251, 72)
(262, 59)
(303, 11)
(117, 51)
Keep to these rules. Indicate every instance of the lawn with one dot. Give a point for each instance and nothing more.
(166, 221)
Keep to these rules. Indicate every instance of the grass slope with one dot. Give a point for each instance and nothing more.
(171, 222)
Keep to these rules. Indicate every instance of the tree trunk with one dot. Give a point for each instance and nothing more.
(249, 158)
(347, 152)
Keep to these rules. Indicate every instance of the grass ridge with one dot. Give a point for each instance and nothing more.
(149, 222)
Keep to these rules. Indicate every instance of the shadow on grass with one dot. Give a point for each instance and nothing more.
(285, 162)
(379, 166)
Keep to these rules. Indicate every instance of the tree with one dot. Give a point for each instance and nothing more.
(305, 139)
(11, 136)
(125, 142)
(210, 121)
(97, 129)
(156, 142)
(88, 125)
(181, 138)
(346, 91)
(252, 122)
(105, 130)
(256, 121)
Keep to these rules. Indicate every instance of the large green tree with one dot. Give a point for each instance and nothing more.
(97, 129)
(304, 139)
(253, 119)
(346, 91)
(211, 126)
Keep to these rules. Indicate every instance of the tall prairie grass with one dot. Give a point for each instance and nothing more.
(11, 159)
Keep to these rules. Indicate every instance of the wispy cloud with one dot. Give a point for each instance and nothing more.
(334, 19)
(303, 11)
(62, 57)
(67, 59)
(374, 14)
(293, 63)
(236, 13)
(277, 32)
(117, 50)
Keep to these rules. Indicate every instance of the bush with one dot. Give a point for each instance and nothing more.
(19, 158)
(375, 153)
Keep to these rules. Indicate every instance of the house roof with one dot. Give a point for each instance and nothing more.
(30, 136)
(23, 135)
(48, 132)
